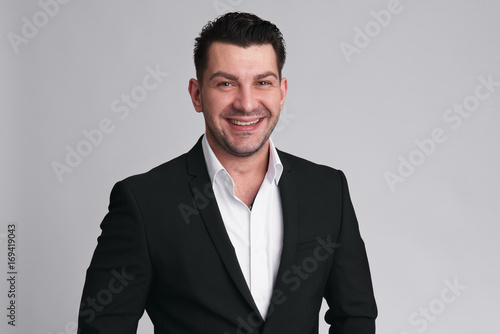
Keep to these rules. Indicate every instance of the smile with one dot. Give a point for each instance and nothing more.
(235, 122)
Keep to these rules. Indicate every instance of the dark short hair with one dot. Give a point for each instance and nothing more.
(241, 29)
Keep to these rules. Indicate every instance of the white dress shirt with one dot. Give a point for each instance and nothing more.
(256, 233)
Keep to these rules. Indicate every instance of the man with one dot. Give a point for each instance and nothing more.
(233, 236)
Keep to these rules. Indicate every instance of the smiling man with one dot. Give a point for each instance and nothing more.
(234, 236)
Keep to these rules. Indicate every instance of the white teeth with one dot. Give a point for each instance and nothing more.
(235, 122)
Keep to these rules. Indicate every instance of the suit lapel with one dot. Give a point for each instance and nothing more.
(212, 218)
(289, 204)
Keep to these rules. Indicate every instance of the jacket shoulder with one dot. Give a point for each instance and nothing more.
(170, 172)
(295, 163)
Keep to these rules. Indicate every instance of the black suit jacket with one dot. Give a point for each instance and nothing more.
(164, 248)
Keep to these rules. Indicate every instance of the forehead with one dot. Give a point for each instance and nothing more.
(224, 56)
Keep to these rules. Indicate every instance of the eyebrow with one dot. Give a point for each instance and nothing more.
(265, 75)
(223, 75)
(234, 78)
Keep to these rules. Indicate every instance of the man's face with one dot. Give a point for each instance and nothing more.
(241, 97)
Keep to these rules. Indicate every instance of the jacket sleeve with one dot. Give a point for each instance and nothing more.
(119, 276)
(349, 292)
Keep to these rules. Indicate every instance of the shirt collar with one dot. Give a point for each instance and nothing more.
(274, 168)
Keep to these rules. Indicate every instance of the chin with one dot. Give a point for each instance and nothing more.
(245, 151)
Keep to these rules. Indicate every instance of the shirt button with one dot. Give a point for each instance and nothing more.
(260, 299)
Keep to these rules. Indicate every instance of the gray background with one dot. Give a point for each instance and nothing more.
(360, 113)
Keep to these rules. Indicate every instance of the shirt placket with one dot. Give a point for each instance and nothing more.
(259, 260)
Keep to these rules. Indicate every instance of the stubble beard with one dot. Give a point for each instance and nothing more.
(222, 139)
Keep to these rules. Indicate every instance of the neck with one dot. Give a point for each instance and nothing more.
(247, 172)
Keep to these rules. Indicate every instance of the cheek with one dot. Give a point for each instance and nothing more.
(274, 106)
(217, 103)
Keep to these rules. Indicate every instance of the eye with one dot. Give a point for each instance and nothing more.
(224, 84)
(263, 83)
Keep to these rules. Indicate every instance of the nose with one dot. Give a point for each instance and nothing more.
(246, 100)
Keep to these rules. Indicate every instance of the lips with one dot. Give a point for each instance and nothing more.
(240, 123)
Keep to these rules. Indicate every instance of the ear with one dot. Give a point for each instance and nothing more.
(283, 89)
(195, 92)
